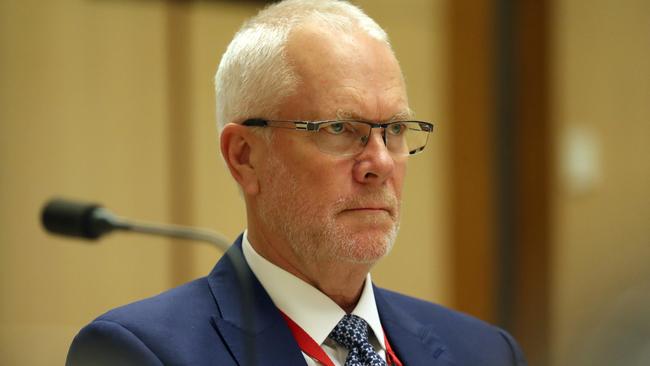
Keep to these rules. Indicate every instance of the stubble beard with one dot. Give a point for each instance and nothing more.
(312, 230)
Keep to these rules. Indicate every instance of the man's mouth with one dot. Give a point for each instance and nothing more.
(375, 203)
(370, 210)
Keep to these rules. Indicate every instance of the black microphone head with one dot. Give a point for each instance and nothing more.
(71, 218)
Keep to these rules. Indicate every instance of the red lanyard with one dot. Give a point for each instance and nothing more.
(314, 350)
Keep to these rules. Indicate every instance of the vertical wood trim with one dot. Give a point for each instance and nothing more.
(472, 145)
(534, 170)
(181, 176)
(505, 128)
(484, 214)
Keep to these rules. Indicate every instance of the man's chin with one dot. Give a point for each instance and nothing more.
(366, 247)
(369, 257)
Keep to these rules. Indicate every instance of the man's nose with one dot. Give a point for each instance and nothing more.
(375, 163)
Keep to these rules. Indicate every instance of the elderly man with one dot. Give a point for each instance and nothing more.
(316, 130)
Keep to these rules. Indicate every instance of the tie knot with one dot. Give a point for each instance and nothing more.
(351, 332)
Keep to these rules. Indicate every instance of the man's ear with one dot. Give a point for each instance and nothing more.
(236, 150)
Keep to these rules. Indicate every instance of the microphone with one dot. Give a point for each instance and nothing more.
(92, 221)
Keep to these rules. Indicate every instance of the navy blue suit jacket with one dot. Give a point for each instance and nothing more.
(203, 323)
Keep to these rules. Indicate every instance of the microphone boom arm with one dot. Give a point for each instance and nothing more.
(207, 236)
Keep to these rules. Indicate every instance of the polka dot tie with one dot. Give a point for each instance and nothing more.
(352, 333)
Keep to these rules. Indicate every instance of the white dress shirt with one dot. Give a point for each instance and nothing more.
(312, 310)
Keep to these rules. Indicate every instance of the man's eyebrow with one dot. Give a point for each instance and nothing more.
(400, 116)
(403, 115)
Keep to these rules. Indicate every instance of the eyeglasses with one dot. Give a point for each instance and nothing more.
(349, 137)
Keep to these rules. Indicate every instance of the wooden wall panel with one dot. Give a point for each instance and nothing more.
(501, 165)
(471, 98)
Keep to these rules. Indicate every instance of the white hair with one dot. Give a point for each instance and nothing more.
(254, 76)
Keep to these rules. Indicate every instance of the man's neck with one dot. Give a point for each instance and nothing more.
(340, 281)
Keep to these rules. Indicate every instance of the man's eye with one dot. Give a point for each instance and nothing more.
(336, 128)
(397, 128)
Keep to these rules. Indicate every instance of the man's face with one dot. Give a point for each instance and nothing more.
(327, 207)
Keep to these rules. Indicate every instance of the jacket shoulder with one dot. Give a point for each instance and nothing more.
(469, 340)
(173, 308)
(158, 330)
(428, 312)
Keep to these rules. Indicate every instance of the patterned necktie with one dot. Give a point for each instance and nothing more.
(352, 333)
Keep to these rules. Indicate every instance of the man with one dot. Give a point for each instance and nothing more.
(315, 128)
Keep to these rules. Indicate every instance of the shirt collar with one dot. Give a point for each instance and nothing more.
(312, 310)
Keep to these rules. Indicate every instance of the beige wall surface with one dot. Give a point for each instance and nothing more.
(601, 286)
(89, 110)
(81, 100)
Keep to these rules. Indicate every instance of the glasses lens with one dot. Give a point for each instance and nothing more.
(350, 137)
(407, 138)
(342, 137)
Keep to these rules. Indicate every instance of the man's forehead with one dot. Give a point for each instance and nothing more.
(344, 76)
(312, 46)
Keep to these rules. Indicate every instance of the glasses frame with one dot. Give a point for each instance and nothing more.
(314, 126)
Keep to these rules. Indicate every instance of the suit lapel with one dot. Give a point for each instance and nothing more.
(257, 325)
(414, 343)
